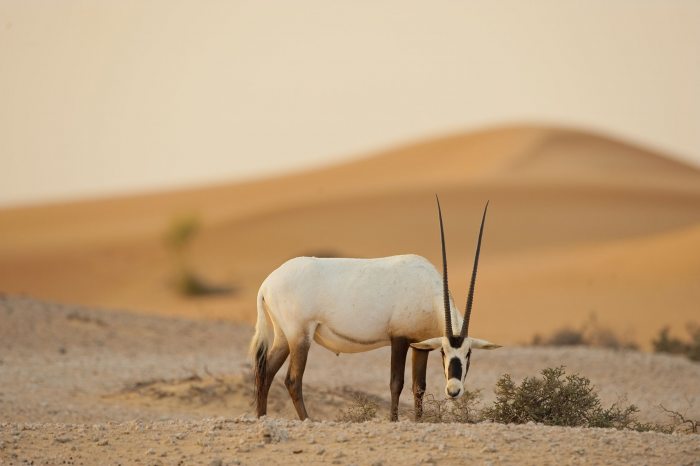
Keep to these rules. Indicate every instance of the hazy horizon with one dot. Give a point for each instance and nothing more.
(106, 98)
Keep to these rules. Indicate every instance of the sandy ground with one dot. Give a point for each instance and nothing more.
(80, 386)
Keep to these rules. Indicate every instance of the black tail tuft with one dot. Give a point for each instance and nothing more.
(260, 372)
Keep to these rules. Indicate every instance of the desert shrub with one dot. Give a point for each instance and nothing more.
(681, 423)
(362, 409)
(187, 283)
(556, 399)
(181, 232)
(664, 343)
(185, 280)
(464, 409)
(564, 336)
(591, 333)
(694, 345)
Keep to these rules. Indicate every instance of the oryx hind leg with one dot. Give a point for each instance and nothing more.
(419, 368)
(275, 358)
(399, 349)
(298, 353)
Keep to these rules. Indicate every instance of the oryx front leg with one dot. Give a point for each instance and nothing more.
(420, 364)
(298, 352)
(399, 349)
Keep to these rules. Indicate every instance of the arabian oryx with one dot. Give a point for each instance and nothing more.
(355, 305)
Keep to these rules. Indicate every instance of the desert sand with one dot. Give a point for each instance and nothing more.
(579, 225)
(87, 386)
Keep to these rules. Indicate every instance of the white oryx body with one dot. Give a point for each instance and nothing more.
(355, 305)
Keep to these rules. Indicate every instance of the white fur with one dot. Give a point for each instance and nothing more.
(366, 300)
(355, 305)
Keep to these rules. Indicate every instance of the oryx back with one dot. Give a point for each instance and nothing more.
(353, 305)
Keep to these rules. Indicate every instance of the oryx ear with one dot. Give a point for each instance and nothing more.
(429, 344)
(482, 344)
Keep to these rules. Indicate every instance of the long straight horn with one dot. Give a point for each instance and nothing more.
(470, 296)
(445, 287)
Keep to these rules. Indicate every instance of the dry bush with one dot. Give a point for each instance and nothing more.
(186, 281)
(680, 423)
(362, 409)
(464, 409)
(664, 343)
(591, 333)
(565, 336)
(556, 399)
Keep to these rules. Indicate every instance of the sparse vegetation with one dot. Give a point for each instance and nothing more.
(181, 233)
(665, 343)
(555, 399)
(591, 333)
(185, 280)
(362, 409)
(681, 423)
(464, 409)
(560, 400)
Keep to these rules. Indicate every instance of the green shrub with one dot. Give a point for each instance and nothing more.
(181, 232)
(185, 280)
(664, 343)
(556, 399)
(591, 333)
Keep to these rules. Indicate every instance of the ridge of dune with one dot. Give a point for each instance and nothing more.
(507, 155)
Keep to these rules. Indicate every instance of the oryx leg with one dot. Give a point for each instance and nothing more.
(298, 352)
(420, 364)
(399, 349)
(275, 358)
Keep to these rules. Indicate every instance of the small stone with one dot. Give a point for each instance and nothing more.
(102, 443)
(320, 450)
(296, 452)
(216, 462)
(489, 449)
(62, 439)
(150, 451)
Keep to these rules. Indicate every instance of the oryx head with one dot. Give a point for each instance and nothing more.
(456, 349)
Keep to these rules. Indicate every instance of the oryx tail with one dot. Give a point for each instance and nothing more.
(259, 346)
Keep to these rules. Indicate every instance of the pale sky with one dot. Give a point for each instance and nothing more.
(100, 97)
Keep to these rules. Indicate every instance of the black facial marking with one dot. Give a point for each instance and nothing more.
(469, 358)
(454, 370)
(456, 341)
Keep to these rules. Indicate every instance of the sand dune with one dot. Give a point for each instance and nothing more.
(579, 224)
